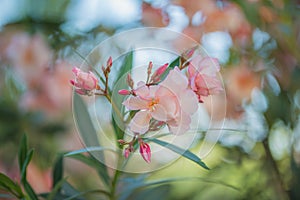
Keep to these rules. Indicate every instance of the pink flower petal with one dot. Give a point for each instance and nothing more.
(135, 103)
(140, 122)
(159, 113)
(175, 81)
(142, 90)
(189, 101)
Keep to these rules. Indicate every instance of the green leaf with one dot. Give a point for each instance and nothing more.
(84, 122)
(118, 100)
(58, 171)
(22, 152)
(30, 192)
(86, 128)
(25, 164)
(171, 66)
(9, 185)
(88, 192)
(56, 189)
(130, 188)
(94, 163)
(88, 150)
(185, 153)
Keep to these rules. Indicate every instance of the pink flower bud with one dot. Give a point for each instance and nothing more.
(161, 69)
(109, 62)
(126, 152)
(156, 75)
(145, 151)
(129, 81)
(124, 92)
(149, 68)
(84, 81)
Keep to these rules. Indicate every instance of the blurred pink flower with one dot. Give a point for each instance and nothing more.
(84, 82)
(30, 55)
(53, 94)
(145, 151)
(171, 102)
(154, 17)
(203, 78)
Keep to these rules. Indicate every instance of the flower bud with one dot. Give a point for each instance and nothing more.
(126, 152)
(129, 81)
(84, 81)
(109, 62)
(124, 92)
(157, 74)
(145, 151)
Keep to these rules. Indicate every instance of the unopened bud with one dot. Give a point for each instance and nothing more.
(109, 62)
(129, 81)
(145, 151)
(124, 92)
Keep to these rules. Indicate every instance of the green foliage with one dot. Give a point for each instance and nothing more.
(9, 185)
(185, 153)
(119, 112)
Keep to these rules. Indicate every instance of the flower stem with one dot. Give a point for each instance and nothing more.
(114, 185)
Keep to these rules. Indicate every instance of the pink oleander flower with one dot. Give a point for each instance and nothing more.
(202, 73)
(84, 82)
(171, 102)
(145, 151)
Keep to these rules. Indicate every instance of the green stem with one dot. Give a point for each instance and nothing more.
(114, 185)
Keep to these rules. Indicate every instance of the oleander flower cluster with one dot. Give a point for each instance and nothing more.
(168, 98)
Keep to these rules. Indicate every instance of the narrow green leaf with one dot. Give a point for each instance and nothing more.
(130, 188)
(84, 122)
(94, 163)
(185, 153)
(22, 152)
(88, 150)
(56, 189)
(88, 192)
(117, 101)
(171, 66)
(86, 128)
(58, 171)
(127, 66)
(30, 192)
(9, 185)
(25, 164)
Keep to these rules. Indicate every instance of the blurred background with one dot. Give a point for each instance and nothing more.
(256, 41)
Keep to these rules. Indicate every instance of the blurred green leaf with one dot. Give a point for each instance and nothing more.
(56, 189)
(87, 150)
(87, 192)
(22, 152)
(25, 164)
(9, 185)
(185, 153)
(138, 184)
(94, 163)
(58, 171)
(151, 193)
(30, 192)
(84, 122)
(86, 128)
